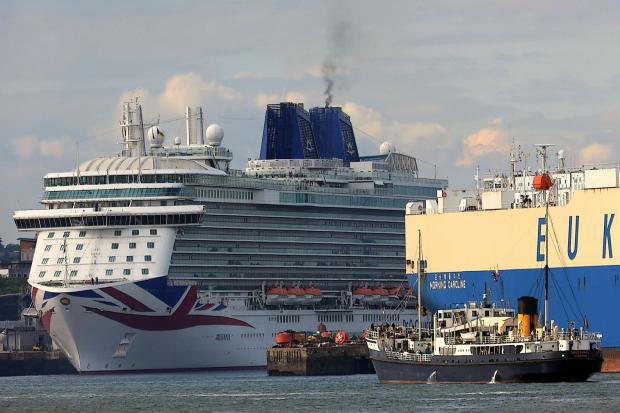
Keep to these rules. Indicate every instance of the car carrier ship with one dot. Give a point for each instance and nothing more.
(492, 241)
(165, 258)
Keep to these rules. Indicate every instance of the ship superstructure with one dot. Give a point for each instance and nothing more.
(164, 257)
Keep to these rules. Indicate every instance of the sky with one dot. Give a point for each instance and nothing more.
(452, 83)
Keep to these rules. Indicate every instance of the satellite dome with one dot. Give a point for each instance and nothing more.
(156, 136)
(386, 147)
(215, 134)
(177, 141)
(561, 154)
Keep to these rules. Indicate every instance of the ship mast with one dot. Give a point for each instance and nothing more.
(419, 285)
(542, 152)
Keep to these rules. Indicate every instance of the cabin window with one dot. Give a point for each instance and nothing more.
(126, 271)
(48, 247)
(147, 258)
(130, 258)
(115, 245)
(42, 274)
(109, 272)
(117, 233)
(82, 234)
(153, 232)
(76, 260)
(66, 234)
(73, 273)
(135, 232)
(50, 235)
(150, 245)
(57, 274)
(45, 260)
(486, 313)
(145, 271)
(79, 247)
(112, 258)
(132, 245)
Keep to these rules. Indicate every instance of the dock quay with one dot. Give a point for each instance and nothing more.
(31, 363)
(611, 360)
(350, 358)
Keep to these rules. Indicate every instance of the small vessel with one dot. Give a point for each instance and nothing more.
(482, 343)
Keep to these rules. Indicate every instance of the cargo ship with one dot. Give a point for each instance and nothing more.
(165, 258)
(492, 241)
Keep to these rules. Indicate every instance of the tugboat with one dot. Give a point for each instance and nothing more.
(482, 343)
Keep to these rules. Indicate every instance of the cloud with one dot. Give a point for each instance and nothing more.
(28, 146)
(191, 89)
(407, 136)
(180, 91)
(25, 146)
(596, 153)
(491, 139)
(263, 99)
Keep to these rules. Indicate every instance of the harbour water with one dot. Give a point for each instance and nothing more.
(254, 391)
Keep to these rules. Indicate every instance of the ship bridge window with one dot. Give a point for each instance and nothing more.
(486, 313)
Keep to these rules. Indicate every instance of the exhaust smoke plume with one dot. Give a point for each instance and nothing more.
(338, 37)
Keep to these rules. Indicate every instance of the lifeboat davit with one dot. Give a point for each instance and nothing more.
(542, 182)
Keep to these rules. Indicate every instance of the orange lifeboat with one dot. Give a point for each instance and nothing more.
(380, 291)
(283, 338)
(277, 296)
(313, 295)
(296, 291)
(542, 182)
(362, 291)
(341, 337)
(326, 334)
(312, 291)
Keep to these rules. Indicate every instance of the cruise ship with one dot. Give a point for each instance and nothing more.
(165, 258)
(491, 242)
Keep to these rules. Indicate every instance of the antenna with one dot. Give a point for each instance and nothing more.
(77, 161)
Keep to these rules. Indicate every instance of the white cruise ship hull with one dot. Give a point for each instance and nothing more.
(132, 326)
